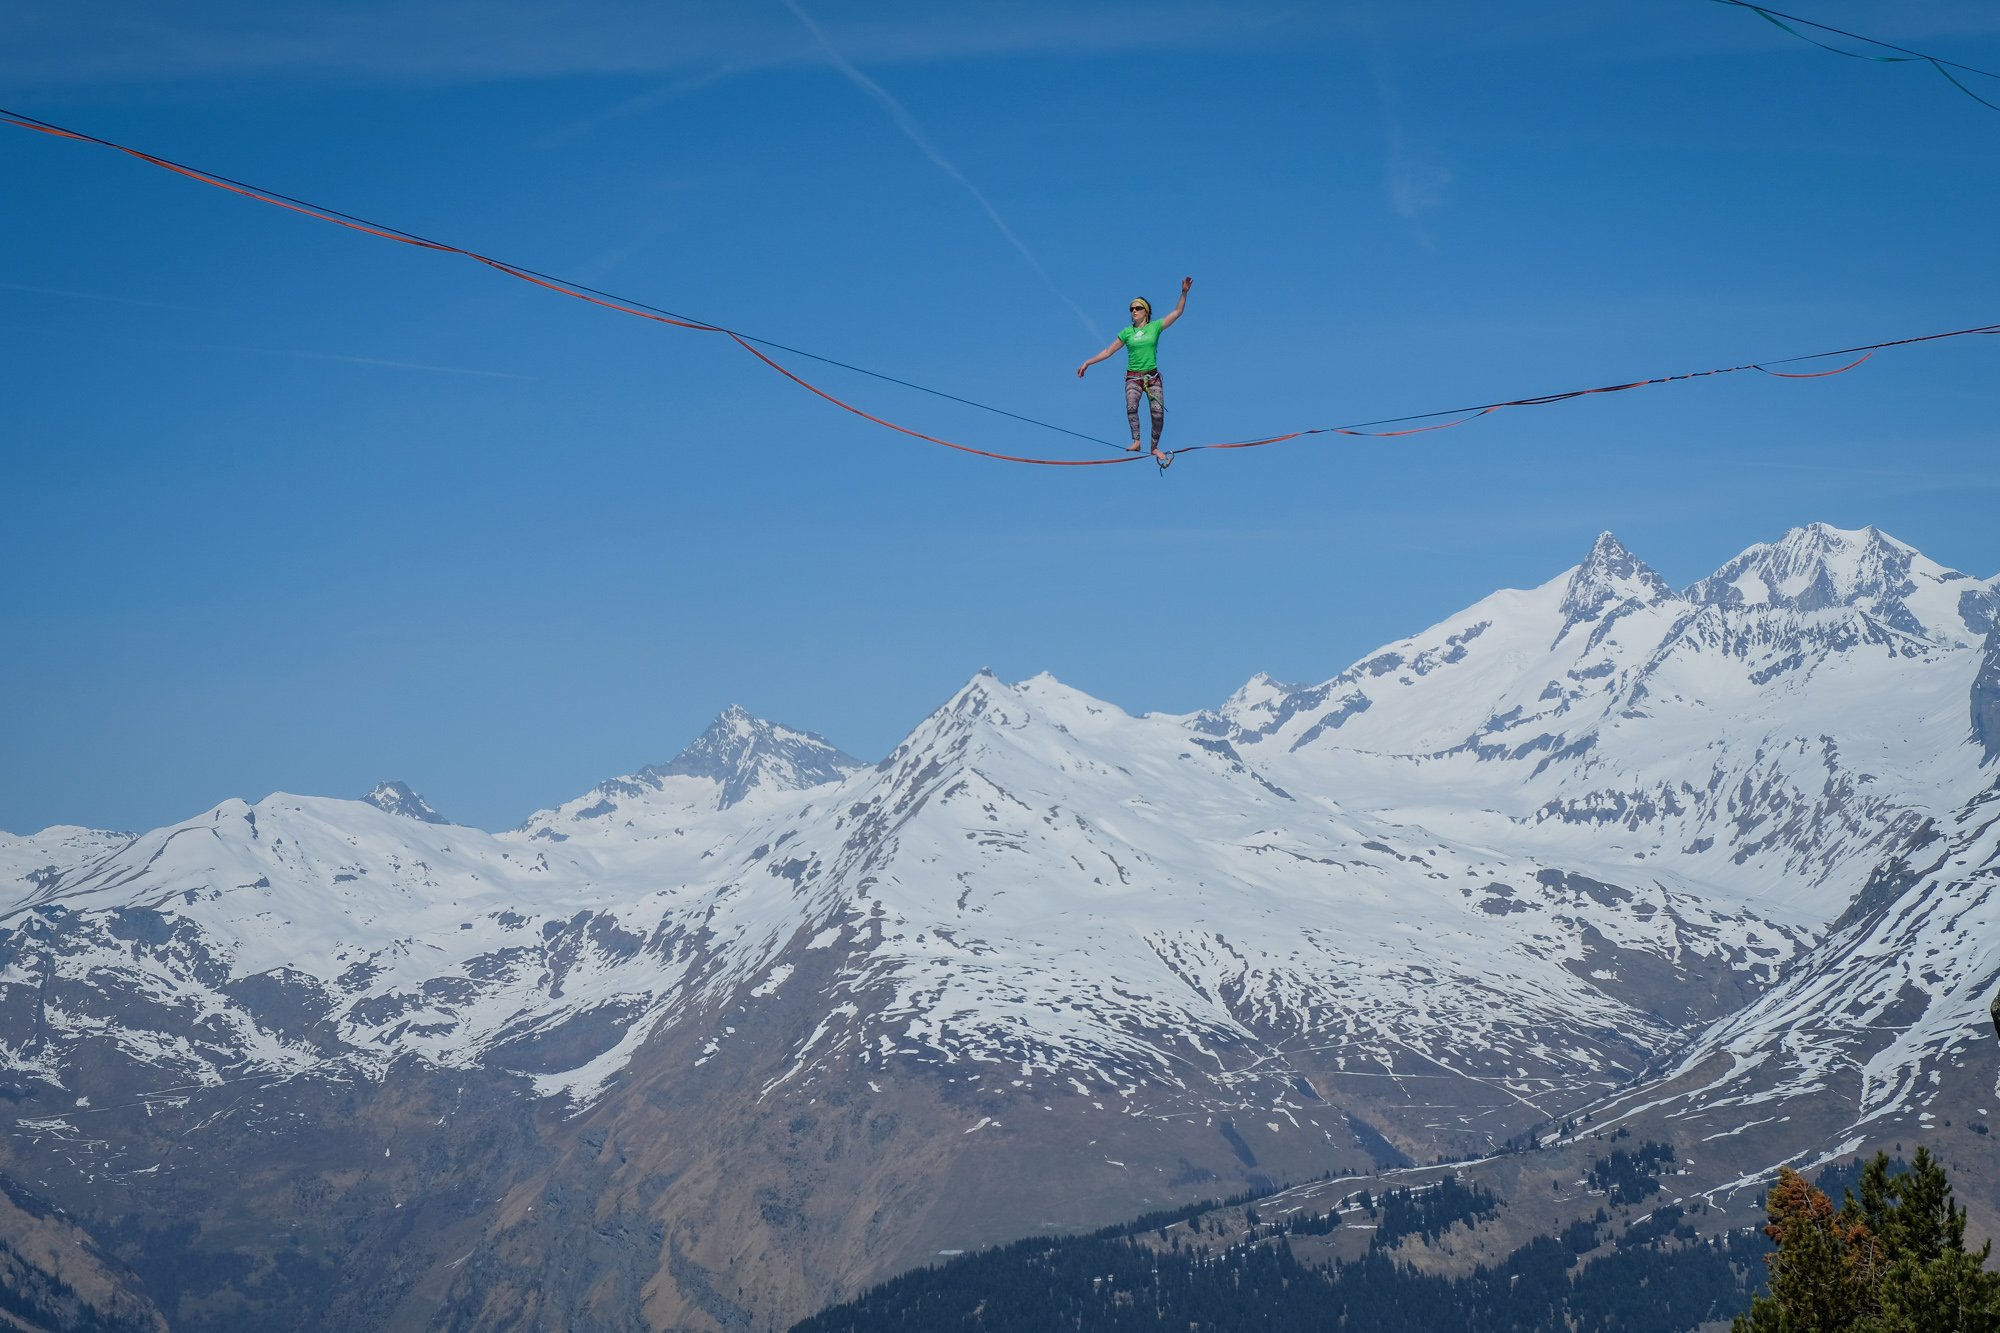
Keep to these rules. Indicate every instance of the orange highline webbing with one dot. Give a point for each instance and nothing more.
(206, 179)
(1545, 399)
(1337, 430)
(1413, 430)
(1816, 374)
(962, 448)
(622, 309)
(558, 286)
(421, 244)
(555, 286)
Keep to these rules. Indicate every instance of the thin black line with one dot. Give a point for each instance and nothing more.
(1855, 36)
(566, 282)
(1548, 398)
(662, 311)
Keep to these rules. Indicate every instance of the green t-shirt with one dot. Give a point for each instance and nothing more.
(1141, 341)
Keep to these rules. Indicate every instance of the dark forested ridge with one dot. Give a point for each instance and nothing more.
(1630, 1175)
(1113, 1285)
(1229, 1271)
(1429, 1213)
(1227, 1267)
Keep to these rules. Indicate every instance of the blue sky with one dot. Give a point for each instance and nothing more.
(296, 509)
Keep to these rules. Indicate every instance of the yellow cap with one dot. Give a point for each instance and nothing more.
(1140, 300)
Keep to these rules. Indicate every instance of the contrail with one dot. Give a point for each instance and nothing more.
(99, 296)
(259, 351)
(384, 362)
(645, 101)
(908, 124)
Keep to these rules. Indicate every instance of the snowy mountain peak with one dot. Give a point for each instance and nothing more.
(396, 798)
(1257, 691)
(980, 693)
(1611, 576)
(742, 753)
(1257, 706)
(739, 754)
(1820, 567)
(971, 701)
(1808, 569)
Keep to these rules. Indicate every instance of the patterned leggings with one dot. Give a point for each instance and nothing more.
(1149, 384)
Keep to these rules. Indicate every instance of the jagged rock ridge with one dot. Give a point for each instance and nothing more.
(741, 753)
(396, 798)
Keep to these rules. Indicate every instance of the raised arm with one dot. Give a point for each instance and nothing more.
(1180, 307)
(1104, 355)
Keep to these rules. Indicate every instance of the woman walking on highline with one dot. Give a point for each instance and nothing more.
(1142, 366)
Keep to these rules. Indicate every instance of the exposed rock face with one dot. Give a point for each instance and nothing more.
(396, 798)
(742, 752)
(1986, 700)
(728, 1037)
(1876, 1033)
(1611, 580)
(1818, 567)
(737, 758)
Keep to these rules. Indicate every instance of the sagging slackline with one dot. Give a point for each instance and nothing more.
(1141, 341)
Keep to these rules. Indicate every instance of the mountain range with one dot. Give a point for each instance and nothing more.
(725, 1039)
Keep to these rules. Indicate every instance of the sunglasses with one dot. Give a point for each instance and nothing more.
(1137, 307)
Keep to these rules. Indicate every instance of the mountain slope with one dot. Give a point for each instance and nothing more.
(1768, 752)
(31, 865)
(1879, 1031)
(723, 1038)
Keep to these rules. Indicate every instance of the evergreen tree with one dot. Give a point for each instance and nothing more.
(1892, 1260)
(1931, 1281)
(1817, 1272)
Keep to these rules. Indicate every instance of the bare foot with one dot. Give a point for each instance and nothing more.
(1133, 447)
(1165, 460)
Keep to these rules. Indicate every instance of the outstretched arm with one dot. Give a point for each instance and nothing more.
(1104, 355)
(1180, 307)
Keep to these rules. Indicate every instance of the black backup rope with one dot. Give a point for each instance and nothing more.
(1783, 21)
(652, 311)
(421, 239)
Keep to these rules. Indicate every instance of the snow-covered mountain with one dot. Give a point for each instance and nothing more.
(738, 758)
(1771, 750)
(396, 798)
(1155, 899)
(1821, 568)
(32, 864)
(1573, 843)
(1880, 1031)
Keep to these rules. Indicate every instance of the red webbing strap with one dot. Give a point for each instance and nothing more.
(1463, 415)
(1250, 444)
(559, 287)
(1472, 414)
(1336, 430)
(905, 430)
(261, 197)
(207, 179)
(1415, 430)
(1817, 374)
